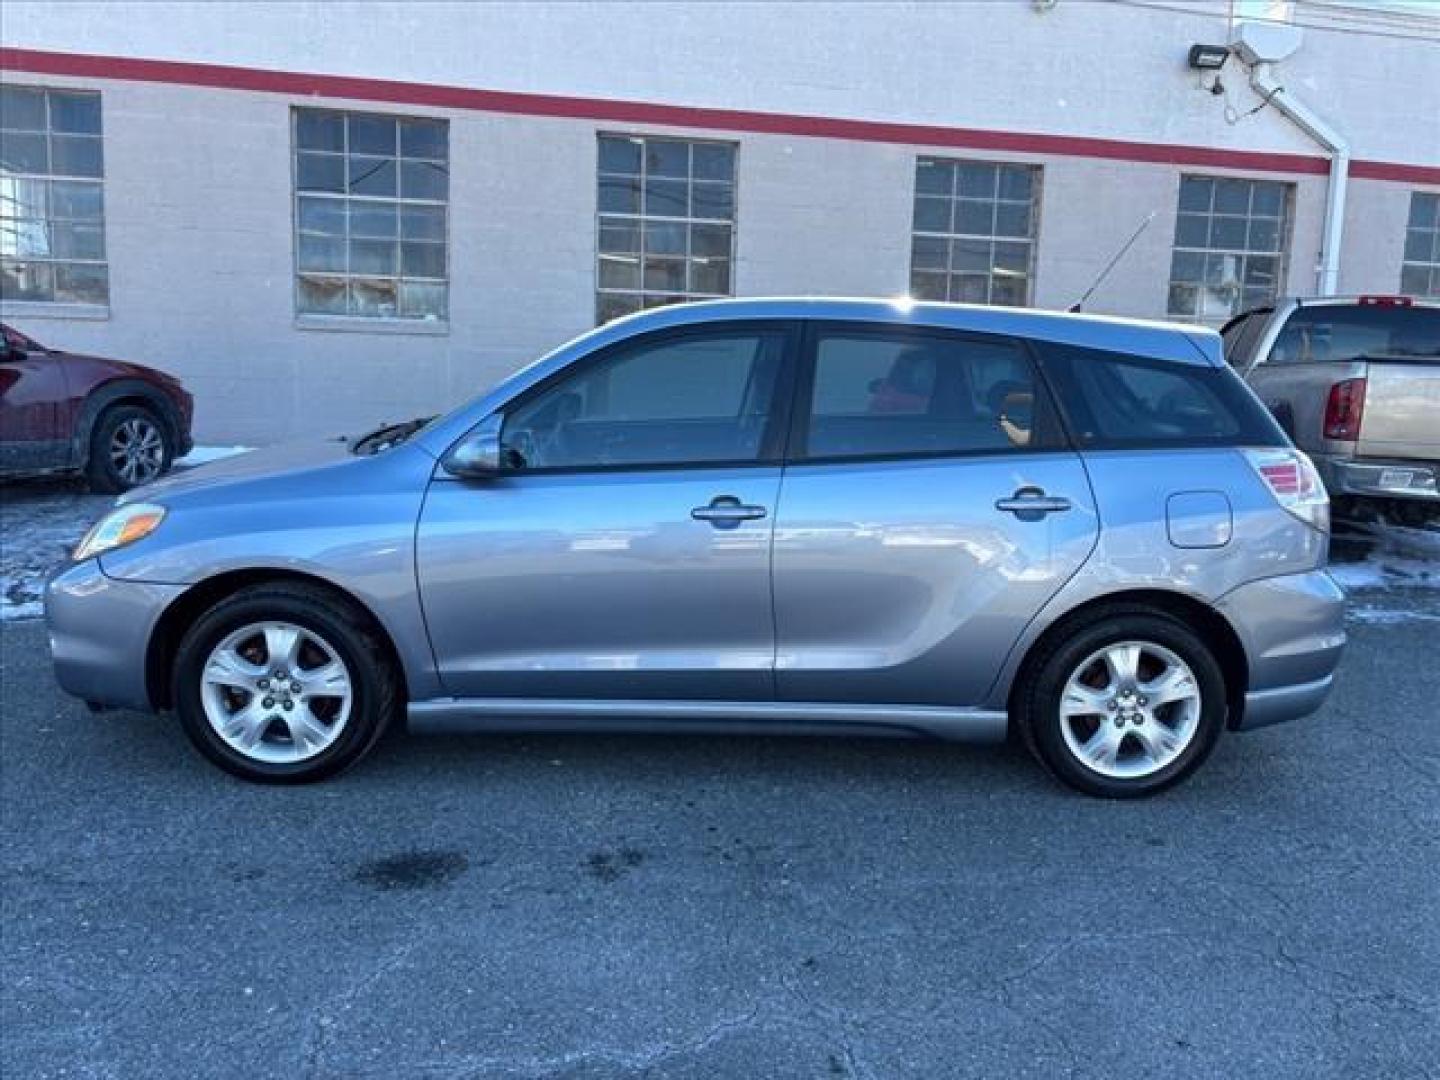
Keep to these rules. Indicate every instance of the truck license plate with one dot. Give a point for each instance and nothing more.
(1396, 478)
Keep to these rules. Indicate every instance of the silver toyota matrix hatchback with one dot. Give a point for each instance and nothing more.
(758, 516)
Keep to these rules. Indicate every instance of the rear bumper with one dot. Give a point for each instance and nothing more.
(1381, 478)
(1293, 631)
(100, 630)
(1275, 706)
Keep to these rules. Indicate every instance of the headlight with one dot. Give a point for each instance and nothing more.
(123, 525)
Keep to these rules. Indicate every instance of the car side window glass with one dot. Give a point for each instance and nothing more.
(1117, 400)
(1242, 336)
(689, 400)
(882, 395)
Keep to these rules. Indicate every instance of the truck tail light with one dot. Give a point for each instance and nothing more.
(1344, 409)
(1292, 479)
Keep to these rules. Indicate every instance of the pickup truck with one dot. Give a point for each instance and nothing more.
(1355, 382)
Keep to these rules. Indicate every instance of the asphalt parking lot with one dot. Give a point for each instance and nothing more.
(672, 907)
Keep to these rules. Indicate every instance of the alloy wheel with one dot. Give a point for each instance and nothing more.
(1130, 709)
(276, 692)
(137, 451)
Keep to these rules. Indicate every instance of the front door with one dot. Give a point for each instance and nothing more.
(625, 550)
(33, 392)
(929, 511)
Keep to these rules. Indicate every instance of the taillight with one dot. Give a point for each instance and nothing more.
(1292, 479)
(1344, 409)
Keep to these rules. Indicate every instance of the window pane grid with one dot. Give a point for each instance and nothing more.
(52, 234)
(1229, 248)
(973, 234)
(665, 222)
(371, 215)
(1420, 270)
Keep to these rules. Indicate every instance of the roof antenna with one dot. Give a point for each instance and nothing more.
(1075, 307)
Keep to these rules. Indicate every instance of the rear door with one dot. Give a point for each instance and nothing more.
(929, 508)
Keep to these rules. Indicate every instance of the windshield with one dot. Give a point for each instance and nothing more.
(16, 340)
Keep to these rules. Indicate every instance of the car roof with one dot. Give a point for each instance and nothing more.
(1138, 337)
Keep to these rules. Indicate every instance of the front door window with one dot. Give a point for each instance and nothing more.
(686, 400)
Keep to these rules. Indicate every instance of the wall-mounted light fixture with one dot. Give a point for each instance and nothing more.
(1208, 57)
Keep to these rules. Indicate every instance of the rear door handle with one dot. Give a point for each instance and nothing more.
(1032, 504)
(727, 512)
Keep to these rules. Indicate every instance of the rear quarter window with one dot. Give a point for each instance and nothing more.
(1116, 400)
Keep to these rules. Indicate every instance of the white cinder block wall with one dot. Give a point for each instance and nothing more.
(198, 195)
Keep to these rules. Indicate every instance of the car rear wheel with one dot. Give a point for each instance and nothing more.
(130, 446)
(1125, 705)
(284, 684)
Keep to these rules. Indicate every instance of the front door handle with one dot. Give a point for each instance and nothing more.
(1032, 504)
(727, 512)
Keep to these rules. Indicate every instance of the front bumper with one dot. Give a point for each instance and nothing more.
(100, 629)
(1293, 631)
(1381, 479)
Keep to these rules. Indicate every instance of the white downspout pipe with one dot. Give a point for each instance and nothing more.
(1262, 78)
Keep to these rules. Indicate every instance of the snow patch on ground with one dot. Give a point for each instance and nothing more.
(40, 524)
(1367, 613)
(199, 455)
(24, 609)
(1387, 572)
(1403, 541)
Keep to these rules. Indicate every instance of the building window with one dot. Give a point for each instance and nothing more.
(974, 237)
(52, 204)
(371, 215)
(1420, 273)
(666, 225)
(1230, 238)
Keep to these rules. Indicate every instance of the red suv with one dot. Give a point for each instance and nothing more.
(120, 424)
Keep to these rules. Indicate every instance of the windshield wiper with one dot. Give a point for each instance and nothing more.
(388, 435)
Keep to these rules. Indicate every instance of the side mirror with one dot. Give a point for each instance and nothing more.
(477, 456)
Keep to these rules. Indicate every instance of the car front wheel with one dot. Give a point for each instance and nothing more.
(130, 446)
(1125, 705)
(284, 683)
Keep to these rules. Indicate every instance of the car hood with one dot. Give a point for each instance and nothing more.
(252, 465)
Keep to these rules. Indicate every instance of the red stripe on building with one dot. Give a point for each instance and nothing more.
(640, 112)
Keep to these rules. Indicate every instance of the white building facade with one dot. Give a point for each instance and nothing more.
(325, 215)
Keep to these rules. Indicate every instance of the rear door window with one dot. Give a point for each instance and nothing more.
(1333, 332)
(902, 393)
(1116, 400)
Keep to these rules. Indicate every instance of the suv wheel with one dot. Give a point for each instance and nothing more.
(283, 684)
(129, 446)
(1128, 704)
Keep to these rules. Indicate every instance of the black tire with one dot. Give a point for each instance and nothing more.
(348, 630)
(101, 468)
(1036, 702)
